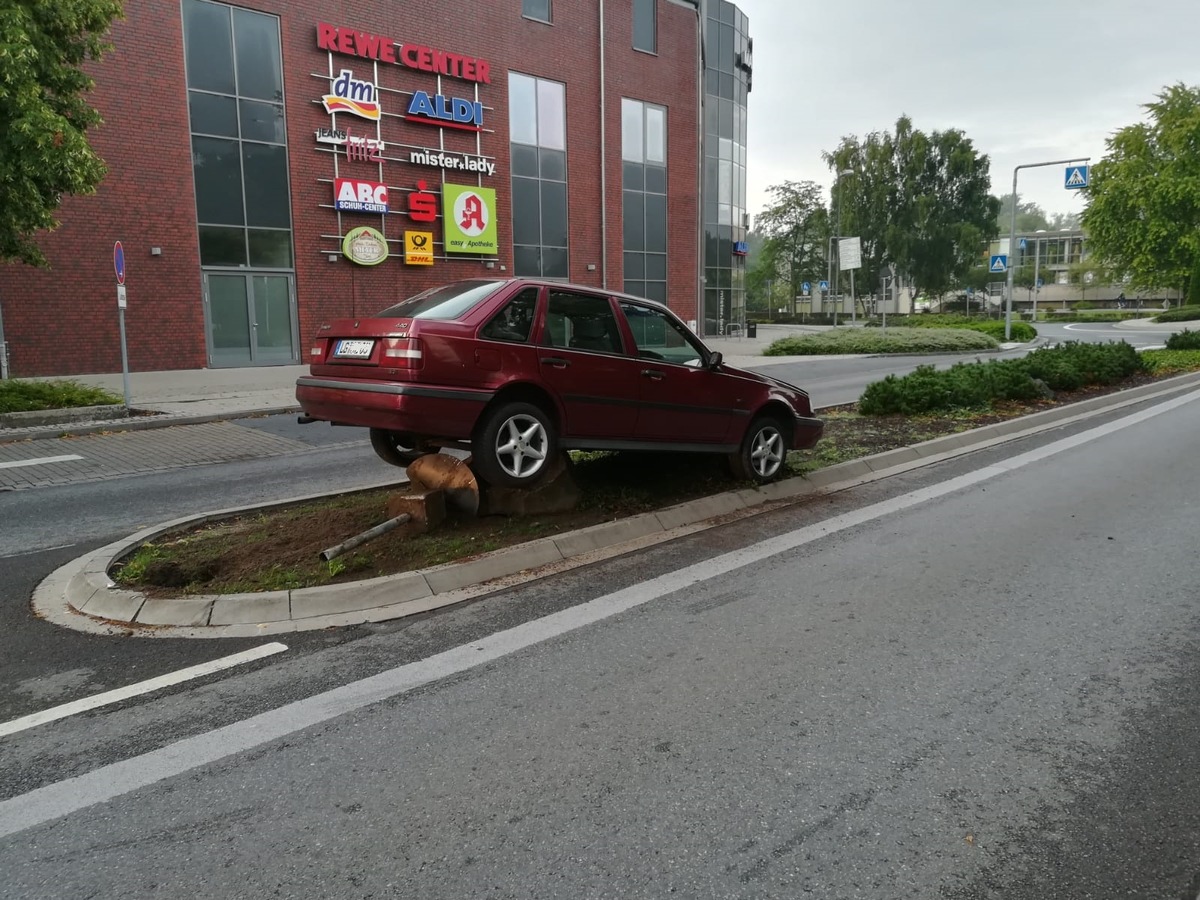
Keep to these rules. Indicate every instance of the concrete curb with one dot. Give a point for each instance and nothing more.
(138, 420)
(80, 594)
(41, 417)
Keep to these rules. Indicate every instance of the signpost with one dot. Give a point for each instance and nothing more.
(1076, 178)
(850, 257)
(119, 269)
(806, 289)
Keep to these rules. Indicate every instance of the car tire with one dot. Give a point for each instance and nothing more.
(763, 454)
(394, 447)
(515, 445)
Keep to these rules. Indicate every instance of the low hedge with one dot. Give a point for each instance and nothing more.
(1171, 362)
(1184, 340)
(875, 340)
(1180, 314)
(1022, 332)
(27, 396)
(1066, 367)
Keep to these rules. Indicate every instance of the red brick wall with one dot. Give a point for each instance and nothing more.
(65, 321)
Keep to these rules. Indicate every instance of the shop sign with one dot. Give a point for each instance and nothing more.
(418, 248)
(353, 95)
(365, 45)
(422, 204)
(740, 248)
(446, 112)
(453, 162)
(365, 246)
(352, 195)
(358, 149)
(469, 214)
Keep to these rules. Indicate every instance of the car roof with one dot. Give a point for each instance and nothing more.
(588, 288)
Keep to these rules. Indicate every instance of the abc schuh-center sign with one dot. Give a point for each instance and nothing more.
(468, 211)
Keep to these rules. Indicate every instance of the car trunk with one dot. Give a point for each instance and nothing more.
(368, 348)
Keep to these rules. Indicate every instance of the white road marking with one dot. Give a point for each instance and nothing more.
(34, 550)
(40, 461)
(63, 798)
(142, 687)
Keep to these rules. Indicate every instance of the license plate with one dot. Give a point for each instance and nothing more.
(353, 349)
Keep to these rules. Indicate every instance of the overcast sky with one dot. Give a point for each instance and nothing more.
(1027, 80)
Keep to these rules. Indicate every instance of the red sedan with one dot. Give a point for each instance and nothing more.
(519, 369)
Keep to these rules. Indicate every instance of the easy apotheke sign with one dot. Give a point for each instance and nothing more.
(378, 47)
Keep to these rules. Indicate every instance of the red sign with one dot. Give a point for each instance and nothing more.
(366, 45)
(353, 195)
(422, 205)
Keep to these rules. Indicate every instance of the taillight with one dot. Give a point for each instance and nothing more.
(404, 353)
(317, 353)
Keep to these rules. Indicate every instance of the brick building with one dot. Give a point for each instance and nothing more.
(273, 165)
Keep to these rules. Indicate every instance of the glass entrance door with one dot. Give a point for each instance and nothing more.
(251, 319)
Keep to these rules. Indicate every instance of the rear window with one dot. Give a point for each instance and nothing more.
(450, 301)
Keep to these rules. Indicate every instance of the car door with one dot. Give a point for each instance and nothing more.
(682, 400)
(582, 358)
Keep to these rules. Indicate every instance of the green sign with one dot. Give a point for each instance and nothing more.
(469, 214)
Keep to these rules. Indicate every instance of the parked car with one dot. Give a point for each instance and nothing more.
(518, 369)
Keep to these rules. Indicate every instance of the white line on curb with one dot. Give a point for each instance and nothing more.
(142, 687)
(40, 461)
(63, 798)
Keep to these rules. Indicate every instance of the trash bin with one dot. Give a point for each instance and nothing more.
(751, 329)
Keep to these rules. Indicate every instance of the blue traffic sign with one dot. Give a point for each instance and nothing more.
(119, 262)
(806, 288)
(1041, 282)
(998, 264)
(1023, 243)
(823, 286)
(1076, 178)
(970, 292)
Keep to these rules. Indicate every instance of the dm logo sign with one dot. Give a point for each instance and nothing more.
(470, 219)
(354, 96)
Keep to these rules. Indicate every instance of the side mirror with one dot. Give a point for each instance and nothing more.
(715, 359)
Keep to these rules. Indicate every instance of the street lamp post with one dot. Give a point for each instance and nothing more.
(836, 273)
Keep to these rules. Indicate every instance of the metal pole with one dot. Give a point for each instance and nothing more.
(853, 310)
(3, 348)
(1012, 245)
(604, 177)
(124, 356)
(1037, 262)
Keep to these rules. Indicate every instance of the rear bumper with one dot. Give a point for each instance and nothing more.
(427, 410)
(807, 432)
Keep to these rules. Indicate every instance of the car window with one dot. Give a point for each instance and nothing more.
(581, 322)
(659, 336)
(450, 301)
(515, 320)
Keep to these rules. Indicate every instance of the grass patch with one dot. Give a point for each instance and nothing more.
(28, 396)
(873, 340)
(1021, 332)
(1171, 362)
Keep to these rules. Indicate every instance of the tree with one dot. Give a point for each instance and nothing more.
(1030, 216)
(44, 152)
(1143, 204)
(795, 232)
(920, 201)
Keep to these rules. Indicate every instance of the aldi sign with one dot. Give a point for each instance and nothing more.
(448, 112)
(469, 214)
(353, 195)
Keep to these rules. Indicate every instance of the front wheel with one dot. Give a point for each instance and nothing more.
(763, 454)
(395, 448)
(514, 445)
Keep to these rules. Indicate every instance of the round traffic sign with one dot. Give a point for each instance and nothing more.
(119, 262)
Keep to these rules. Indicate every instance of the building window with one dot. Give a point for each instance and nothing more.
(536, 9)
(537, 122)
(239, 138)
(645, 26)
(644, 198)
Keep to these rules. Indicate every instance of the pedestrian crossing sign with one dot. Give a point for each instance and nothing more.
(998, 264)
(1076, 178)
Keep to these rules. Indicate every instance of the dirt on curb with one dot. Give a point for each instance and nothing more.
(279, 548)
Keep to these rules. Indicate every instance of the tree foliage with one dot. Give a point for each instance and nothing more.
(44, 152)
(918, 200)
(1143, 204)
(795, 233)
(1030, 216)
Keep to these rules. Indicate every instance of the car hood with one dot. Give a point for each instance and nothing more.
(785, 388)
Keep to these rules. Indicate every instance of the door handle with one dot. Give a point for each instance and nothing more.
(653, 374)
(557, 361)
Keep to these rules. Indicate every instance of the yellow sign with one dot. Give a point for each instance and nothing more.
(418, 248)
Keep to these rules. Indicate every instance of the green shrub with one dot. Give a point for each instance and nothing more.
(1168, 362)
(1022, 332)
(24, 396)
(1179, 314)
(1184, 340)
(1067, 367)
(894, 340)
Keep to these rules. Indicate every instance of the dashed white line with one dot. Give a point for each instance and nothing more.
(39, 461)
(142, 687)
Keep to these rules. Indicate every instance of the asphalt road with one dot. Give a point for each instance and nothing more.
(976, 680)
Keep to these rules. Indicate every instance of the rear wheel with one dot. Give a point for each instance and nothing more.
(514, 445)
(763, 454)
(394, 447)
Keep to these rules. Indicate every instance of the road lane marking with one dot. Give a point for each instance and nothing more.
(142, 687)
(108, 782)
(40, 461)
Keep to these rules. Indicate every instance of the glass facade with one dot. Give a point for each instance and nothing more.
(644, 198)
(537, 121)
(727, 77)
(645, 25)
(536, 9)
(239, 142)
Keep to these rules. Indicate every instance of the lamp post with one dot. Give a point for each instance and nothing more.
(834, 275)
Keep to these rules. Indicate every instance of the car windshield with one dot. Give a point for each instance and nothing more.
(450, 301)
